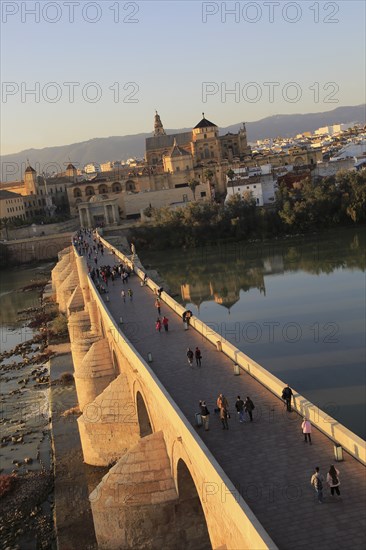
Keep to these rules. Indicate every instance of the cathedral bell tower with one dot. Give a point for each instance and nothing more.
(244, 148)
(158, 126)
(30, 180)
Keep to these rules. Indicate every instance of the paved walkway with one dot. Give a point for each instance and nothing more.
(267, 460)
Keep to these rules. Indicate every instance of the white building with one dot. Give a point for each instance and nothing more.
(261, 187)
(92, 168)
(334, 129)
(110, 165)
(353, 149)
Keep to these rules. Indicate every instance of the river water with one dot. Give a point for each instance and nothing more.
(296, 306)
(24, 416)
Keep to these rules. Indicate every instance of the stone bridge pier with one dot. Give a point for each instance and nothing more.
(164, 489)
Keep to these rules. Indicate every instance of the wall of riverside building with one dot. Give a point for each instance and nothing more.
(37, 248)
(338, 433)
(229, 520)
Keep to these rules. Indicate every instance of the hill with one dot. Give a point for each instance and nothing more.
(100, 150)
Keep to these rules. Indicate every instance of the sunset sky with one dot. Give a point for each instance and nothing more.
(126, 59)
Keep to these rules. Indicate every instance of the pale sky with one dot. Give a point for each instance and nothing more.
(100, 69)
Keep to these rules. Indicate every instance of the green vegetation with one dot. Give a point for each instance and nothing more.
(59, 326)
(192, 183)
(306, 207)
(66, 378)
(326, 203)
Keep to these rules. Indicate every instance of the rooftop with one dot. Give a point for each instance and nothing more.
(204, 123)
(8, 194)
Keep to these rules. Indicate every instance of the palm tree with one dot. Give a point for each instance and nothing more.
(192, 184)
(209, 175)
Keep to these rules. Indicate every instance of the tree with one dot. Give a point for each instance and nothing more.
(4, 224)
(209, 176)
(192, 183)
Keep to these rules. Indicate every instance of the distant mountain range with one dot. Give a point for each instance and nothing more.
(123, 147)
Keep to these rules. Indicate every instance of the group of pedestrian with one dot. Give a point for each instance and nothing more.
(317, 479)
(162, 323)
(196, 354)
(243, 408)
(332, 479)
(103, 274)
(187, 316)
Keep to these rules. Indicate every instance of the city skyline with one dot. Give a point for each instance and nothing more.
(79, 79)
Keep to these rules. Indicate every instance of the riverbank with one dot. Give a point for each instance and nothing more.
(74, 480)
(35, 249)
(307, 207)
(26, 481)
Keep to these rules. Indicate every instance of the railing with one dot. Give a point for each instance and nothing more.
(338, 433)
(237, 517)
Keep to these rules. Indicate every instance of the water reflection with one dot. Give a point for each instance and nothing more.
(296, 307)
(12, 298)
(220, 273)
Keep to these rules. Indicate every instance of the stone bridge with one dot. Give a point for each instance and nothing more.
(165, 488)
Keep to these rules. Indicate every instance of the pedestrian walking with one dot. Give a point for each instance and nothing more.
(333, 480)
(198, 356)
(239, 405)
(130, 293)
(249, 408)
(165, 322)
(224, 415)
(158, 305)
(286, 396)
(317, 480)
(190, 357)
(158, 324)
(222, 402)
(160, 290)
(306, 430)
(205, 414)
(123, 296)
(185, 324)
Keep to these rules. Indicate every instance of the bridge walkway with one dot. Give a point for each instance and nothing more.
(267, 460)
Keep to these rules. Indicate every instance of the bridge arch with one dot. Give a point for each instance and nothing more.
(115, 362)
(144, 419)
(190, 492)
(190, 516)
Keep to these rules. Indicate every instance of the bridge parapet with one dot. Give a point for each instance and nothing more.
(331, 427)
(107, 435)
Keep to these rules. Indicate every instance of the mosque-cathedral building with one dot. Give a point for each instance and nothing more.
(171, 161)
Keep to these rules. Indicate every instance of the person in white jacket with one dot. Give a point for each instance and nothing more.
(333, 480)
(306, 430)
